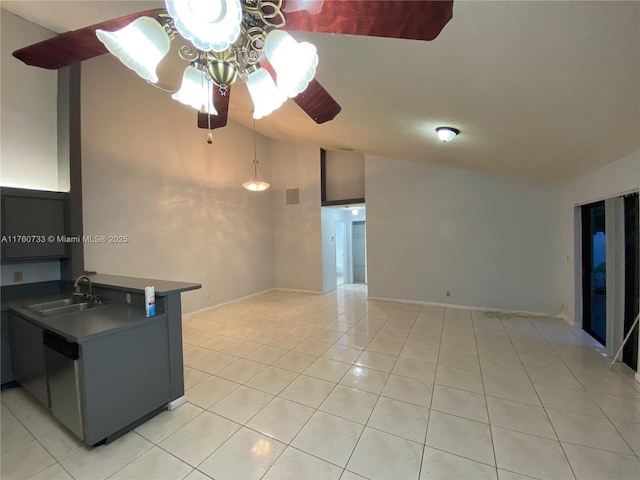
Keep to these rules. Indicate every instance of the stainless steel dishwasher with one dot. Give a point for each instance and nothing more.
(62, 360)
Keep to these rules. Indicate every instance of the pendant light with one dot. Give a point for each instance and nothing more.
(254, 184)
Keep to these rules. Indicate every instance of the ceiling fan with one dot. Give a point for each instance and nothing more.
(227, 41)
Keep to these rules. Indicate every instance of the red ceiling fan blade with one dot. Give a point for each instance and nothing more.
(315, 100)
(317, 103)
(410, 19)
(76, 46)
(221, 102)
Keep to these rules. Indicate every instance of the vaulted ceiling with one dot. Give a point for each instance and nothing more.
(546, 91)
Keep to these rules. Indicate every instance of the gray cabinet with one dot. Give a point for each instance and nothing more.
(30, 218)
(27, 350)
(124, 377)
(5, 350)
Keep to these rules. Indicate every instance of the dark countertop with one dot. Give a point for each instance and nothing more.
(22, 301)
(100, 320)
(96, 322)
(132, 284)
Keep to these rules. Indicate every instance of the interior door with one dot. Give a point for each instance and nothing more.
(359, 252)
(632, 283)
(594, 274)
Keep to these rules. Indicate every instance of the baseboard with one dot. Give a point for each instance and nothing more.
(218, 305)
(173, 404)
(466, 307)
(297, 290)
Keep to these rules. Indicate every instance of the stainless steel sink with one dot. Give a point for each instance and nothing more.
(63, 306)
(66, 309)
(52, 304)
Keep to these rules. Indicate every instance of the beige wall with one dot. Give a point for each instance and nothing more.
(296, 228)
(148, 173)
(28, 154)
(491, 241)
(344, 175)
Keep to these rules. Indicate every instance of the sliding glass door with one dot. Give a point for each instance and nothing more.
(631, 285)
(594, 271)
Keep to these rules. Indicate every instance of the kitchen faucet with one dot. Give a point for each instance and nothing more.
(90, 295)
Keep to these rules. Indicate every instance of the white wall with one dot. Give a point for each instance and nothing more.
(344, 175)
(148, 173)
(492, 241)
(613, 180)
(28, 105)
(329, 280)
(297, 228)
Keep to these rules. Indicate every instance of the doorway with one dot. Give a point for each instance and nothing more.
(359, 246)
(594, 274)
(632, 282)
(341, 245)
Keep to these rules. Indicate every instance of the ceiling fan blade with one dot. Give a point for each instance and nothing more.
(221, 102)
(410, 19)
(76, 46)
(317, 103)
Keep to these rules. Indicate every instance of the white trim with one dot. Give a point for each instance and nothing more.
(559, 316)
(314, 292)
(218, 305)
(173, 404)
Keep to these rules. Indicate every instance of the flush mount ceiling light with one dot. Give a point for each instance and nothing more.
(225, 42)
(354, 212)
(446, 134)
(254, 184)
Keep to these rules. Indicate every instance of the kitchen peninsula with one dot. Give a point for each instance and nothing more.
(101, 367)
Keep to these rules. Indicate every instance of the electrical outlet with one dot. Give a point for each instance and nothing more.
(128, 298)
(17, 277)
(448, 293)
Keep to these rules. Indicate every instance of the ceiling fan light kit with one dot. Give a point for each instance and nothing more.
(446, 134)
(225, 44)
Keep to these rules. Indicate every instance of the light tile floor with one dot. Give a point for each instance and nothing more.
(295, 386)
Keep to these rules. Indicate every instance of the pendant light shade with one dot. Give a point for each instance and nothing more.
(264, 93)
(254, 184)
(196, 90)
(295, 63)
(211, 25)
(141, 46)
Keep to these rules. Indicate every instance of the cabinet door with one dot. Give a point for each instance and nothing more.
(7, 368)
(27, 351)
(40, 217)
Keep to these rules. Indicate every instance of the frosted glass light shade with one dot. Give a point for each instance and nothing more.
(211, 25)
(264, 93)
(141, 46)
(446, 134)
(196, 90)
(295, 63)
(255, 185)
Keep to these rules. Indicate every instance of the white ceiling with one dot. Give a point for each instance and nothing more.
(546, 91)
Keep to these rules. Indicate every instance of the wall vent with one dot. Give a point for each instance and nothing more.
(293, 196)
